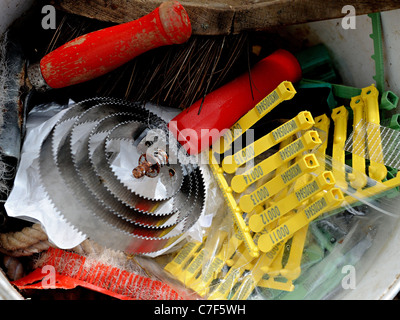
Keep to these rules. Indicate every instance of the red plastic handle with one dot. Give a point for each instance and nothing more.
(224, 106)
(99, 52)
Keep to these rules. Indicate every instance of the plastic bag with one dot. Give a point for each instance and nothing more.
(28, 199)
(317, 261)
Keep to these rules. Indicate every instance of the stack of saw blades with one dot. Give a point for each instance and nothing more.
(110, 169)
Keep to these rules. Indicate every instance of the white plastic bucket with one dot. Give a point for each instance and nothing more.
(351, 52)
(10, 10)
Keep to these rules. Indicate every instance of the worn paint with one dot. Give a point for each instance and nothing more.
(76, 42)
(100, 52)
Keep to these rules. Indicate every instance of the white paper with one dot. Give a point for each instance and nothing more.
(28, 199)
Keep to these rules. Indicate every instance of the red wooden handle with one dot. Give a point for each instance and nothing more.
(224, 106)
(99, 52)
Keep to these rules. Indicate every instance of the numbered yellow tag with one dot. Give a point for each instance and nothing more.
(258, 222)
(303, 121)
(309, 140)
(306, 164)
(332, 197)
(284, 91)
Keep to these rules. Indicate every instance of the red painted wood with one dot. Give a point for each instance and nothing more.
(224, 106)
(99, 52)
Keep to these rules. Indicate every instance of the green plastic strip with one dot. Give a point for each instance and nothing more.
(389, 101)
(345, 92)
(376, 36)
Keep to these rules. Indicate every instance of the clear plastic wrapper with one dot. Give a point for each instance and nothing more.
(291, 221)
(320, 259)
(317, 262)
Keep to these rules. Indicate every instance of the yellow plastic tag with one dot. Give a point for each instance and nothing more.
(202, 284)
(332, 197)
(358, 178)
(234, 209)
(284, 91)
(306, 164)
(339, 117)
(182, 257)
(282, 193)
(257, 272)
(325, 180)
(303, 121)
(241, 262)
(322, 123)
(224, 288)
(292, 269)
(308, 141)
(275, 267)
(372, 191)
(377, 169)
(277, 285)
(187, 275)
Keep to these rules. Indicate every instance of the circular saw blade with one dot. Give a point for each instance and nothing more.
(72, 158)
(126, 153)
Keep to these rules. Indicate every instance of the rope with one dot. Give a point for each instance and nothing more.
(33, 239)
(26, 242)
